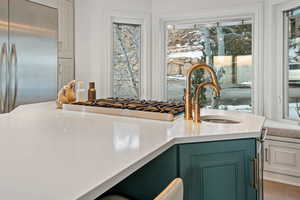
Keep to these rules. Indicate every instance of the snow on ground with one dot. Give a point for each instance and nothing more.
(191, 54)
(293, 111)
(176, 78)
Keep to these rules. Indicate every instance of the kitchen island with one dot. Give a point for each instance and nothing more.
(53, 154)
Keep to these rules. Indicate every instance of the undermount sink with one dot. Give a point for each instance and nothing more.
(219, 119)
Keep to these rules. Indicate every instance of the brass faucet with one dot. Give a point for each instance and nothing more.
(188, 93)
(197, 102)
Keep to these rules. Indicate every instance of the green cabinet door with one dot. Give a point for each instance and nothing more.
(217, 170)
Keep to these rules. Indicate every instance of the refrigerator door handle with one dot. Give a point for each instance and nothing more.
(3, 78)
(13, 81)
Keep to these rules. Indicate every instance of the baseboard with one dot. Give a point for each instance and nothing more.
(291, 180)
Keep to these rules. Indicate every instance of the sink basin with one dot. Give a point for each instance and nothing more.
(219, 119)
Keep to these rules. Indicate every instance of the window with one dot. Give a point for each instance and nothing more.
(292, 63)
(126, 60)
(226, 46)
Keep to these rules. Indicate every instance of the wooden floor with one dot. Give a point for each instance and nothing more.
(278, 191)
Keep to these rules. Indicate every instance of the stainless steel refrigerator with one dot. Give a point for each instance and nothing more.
(28, 59)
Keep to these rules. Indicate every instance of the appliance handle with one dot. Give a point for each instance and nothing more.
(3, 78)
(254, 179)
(13, 81)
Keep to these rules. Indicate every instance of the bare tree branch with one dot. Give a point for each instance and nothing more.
(129, 66)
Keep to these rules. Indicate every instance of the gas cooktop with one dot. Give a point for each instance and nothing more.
(157, 110)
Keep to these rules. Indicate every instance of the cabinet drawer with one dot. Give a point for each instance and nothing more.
(282, 157)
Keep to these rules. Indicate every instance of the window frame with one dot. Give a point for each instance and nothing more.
(133, 23)
(255, 12)
(281, 61)
(210, 21)
(136, 18)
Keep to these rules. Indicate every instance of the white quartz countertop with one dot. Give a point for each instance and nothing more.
(49, 154)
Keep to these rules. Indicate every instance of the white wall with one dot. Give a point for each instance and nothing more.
(91, 29)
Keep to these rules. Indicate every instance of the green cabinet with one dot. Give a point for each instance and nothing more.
(210, 170)
(217, 170)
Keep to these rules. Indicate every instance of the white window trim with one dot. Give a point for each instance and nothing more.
(159, 47)
(279, 51)
(143, 19)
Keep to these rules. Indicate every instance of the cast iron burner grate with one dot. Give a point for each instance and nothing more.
(137, 105)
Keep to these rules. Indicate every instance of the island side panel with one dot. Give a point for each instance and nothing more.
(150, 180)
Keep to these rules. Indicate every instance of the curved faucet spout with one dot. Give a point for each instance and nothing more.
(188, 95)
(197, 117)
(205, 67)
